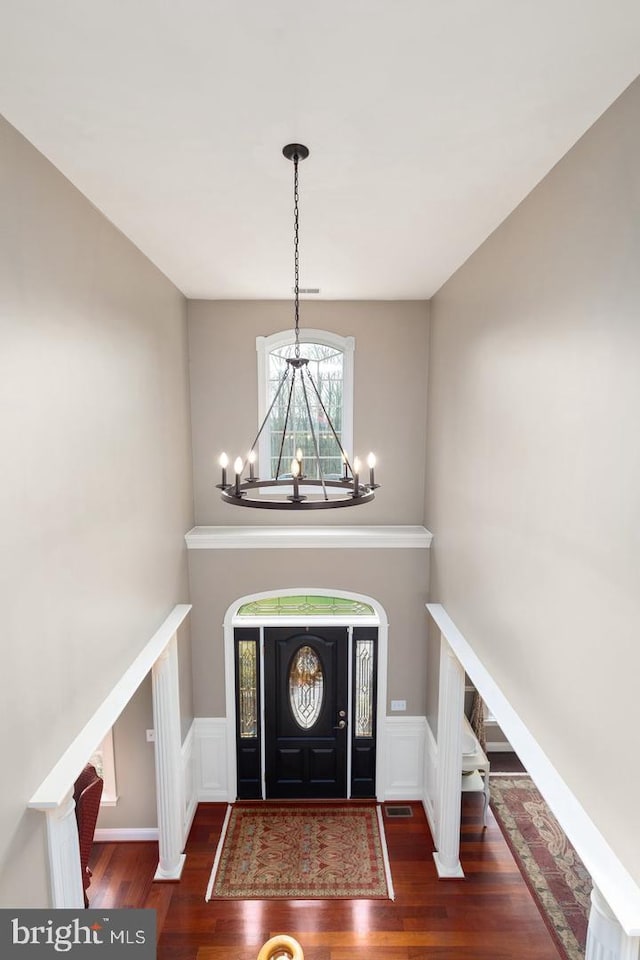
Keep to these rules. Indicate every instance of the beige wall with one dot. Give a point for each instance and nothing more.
(389, 404)
(135, 755)
(135, 765)
(396, 578)
(534, 464)
(96, 478)
(391, 359)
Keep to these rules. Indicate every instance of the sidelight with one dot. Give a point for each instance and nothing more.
(248, 688)
(364, 708)
(306, 687)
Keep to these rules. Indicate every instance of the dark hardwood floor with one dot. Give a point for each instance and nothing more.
(505, 763)
(490, 915)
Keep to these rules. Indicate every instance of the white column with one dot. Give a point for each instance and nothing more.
(450, 710)
(64, 855)
(606, 940)
(169, 787)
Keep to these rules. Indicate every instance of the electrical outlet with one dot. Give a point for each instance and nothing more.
(398, 704)
(151, 736)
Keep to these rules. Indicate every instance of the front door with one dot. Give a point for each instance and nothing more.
(306, 706)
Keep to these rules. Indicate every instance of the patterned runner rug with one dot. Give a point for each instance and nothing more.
(553, 871)
(301, 852)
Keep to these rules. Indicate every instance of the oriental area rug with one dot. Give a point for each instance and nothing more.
(301, 852)
(551, 867)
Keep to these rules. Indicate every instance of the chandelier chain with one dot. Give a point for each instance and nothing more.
(296, 255)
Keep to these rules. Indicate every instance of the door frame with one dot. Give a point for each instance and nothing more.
(232, 620)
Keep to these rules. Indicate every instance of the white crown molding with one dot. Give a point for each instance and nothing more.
(310, 538)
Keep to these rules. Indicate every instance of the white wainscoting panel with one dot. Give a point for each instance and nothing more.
(211, 759)
(430, 796)
(189, 782)
(403, 758)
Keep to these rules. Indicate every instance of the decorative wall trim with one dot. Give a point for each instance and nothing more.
(125, 834)
(190, 787)
(310, 538)
(430, 795)
(400, 759)
(403, 758)
(616, 885)
(211, 764)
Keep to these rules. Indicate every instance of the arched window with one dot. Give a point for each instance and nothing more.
(331, 366)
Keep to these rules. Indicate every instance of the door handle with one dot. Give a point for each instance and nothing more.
(341, 725)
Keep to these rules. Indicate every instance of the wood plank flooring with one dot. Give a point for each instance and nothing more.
(490, 915)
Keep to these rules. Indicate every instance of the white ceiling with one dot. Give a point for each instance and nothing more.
(428, 121)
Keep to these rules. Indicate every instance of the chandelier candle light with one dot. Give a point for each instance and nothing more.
(297, 387)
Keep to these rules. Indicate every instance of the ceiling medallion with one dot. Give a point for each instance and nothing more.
(291, 488)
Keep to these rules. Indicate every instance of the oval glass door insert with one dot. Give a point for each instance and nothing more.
(306, 687)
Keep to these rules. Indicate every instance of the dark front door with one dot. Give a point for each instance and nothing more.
(306, 712)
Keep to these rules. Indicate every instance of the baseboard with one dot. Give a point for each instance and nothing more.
(125, 834)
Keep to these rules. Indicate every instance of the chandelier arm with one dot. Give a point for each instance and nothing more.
(268, 414)
(284, 426)
(313, 435)
(330, 422)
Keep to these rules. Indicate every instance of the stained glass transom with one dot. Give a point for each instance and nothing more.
(306, 687)
(308, 606)
(248, 688)
(364, 688)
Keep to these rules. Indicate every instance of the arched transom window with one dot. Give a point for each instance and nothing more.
(330, 359)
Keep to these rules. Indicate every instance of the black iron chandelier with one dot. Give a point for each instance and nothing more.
(291, 488)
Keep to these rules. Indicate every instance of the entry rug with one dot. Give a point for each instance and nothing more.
(554, 873)
(301, 852)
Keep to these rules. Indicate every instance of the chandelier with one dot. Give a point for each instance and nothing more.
(291, 488)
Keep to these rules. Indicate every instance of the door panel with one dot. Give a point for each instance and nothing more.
(306, 712)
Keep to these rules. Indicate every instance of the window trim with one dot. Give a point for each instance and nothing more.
(347, 345)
